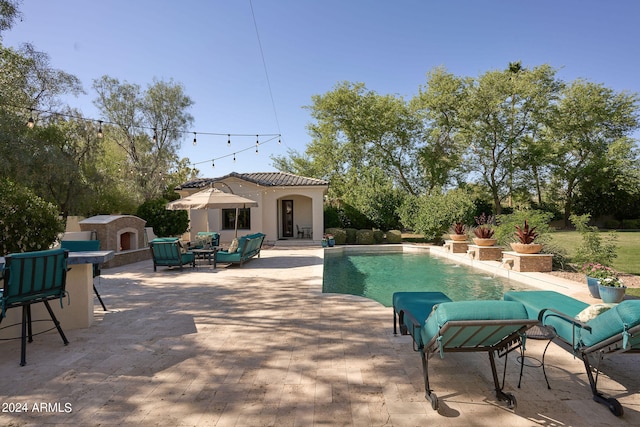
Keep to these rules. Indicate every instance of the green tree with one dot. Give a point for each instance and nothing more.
(165, 223)
(148, 126)
(590, 119)
(432, 215)
(502, 111)
(27, 222)
(438, 106)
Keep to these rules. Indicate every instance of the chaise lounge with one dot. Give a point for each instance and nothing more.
(168, 252)
(439, 325)
(616, 330)
(248, 247)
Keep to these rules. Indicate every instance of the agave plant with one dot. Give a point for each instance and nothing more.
(526, 234)
(484, 230)
(459, 228)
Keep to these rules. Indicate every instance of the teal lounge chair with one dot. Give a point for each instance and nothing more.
(32, 278)
(167, 251)
(497, 327)
(615, 331)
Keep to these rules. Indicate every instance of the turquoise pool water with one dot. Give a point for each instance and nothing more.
(378, 275)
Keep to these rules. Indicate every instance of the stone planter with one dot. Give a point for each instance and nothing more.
(612, 294)
(484, 242)
(593, 286)
(526, 248)
(458, 237)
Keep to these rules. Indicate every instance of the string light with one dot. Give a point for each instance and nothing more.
(213, 163)
(30, 122)
(100, 133)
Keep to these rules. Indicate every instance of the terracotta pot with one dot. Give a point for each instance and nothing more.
(484, 242)
(458, 237)
(526, 248)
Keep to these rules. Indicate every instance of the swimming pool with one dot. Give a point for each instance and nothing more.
(378, 275)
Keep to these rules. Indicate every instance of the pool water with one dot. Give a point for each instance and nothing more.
(378, 275)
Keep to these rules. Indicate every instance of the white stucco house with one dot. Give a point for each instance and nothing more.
(289, 206)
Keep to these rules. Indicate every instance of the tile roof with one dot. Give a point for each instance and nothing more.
(261, 178)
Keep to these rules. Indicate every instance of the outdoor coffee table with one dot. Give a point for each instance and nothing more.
(208, 254)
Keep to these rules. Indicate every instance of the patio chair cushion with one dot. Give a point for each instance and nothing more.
(233, 247)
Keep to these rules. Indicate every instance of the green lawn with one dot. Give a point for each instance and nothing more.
(628, 260)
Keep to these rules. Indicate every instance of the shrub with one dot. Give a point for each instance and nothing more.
(339, 235)
(364, 237)
(394, 236)
(351, 235)
(378, 236)
(165, 223)
(431, 215)
(592, 249)
(27, 222)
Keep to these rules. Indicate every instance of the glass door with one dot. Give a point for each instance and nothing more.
(287, 218)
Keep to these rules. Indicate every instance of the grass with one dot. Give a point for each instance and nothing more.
(628, 259)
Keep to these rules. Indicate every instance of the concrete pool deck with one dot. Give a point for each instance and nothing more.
(262, 346)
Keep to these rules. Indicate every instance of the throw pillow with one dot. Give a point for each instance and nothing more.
(593, 311)
(233, 246)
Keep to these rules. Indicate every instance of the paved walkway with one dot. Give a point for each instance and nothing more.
(262, 346)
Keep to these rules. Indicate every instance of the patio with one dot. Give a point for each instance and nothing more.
(262, 346)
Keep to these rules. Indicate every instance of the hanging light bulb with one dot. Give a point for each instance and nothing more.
(213, 163)
(100, 135)
(279, 140)
(228, 139)
(194, 139)
(234, 157)
(257, 140)
(30, 122)
(256, 148)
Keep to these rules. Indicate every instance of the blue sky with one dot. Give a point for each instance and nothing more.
(211, 47)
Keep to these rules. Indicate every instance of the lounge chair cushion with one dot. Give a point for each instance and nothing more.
(625, 315)
(419, 304)
(471, 310)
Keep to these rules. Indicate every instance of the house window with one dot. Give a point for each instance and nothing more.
(229, 217)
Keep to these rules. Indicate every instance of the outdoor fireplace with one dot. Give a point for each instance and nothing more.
(123, 234)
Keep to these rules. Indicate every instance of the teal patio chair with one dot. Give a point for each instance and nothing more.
(32, 278)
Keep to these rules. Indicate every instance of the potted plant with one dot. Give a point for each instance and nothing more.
(596, 272)
(525, 237)
(458, 232)
(330, 240)
(484, 231)
(611, 289)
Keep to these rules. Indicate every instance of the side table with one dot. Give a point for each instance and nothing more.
(208, 254)
(542, 333)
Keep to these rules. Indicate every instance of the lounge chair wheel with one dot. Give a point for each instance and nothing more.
(615, 407)
(433, 399)
(511, 401)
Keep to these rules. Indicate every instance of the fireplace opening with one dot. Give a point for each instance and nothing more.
(127, 240)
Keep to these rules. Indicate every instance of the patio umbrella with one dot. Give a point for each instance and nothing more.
(212, 198)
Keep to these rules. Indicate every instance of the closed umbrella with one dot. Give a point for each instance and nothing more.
(212, 198)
